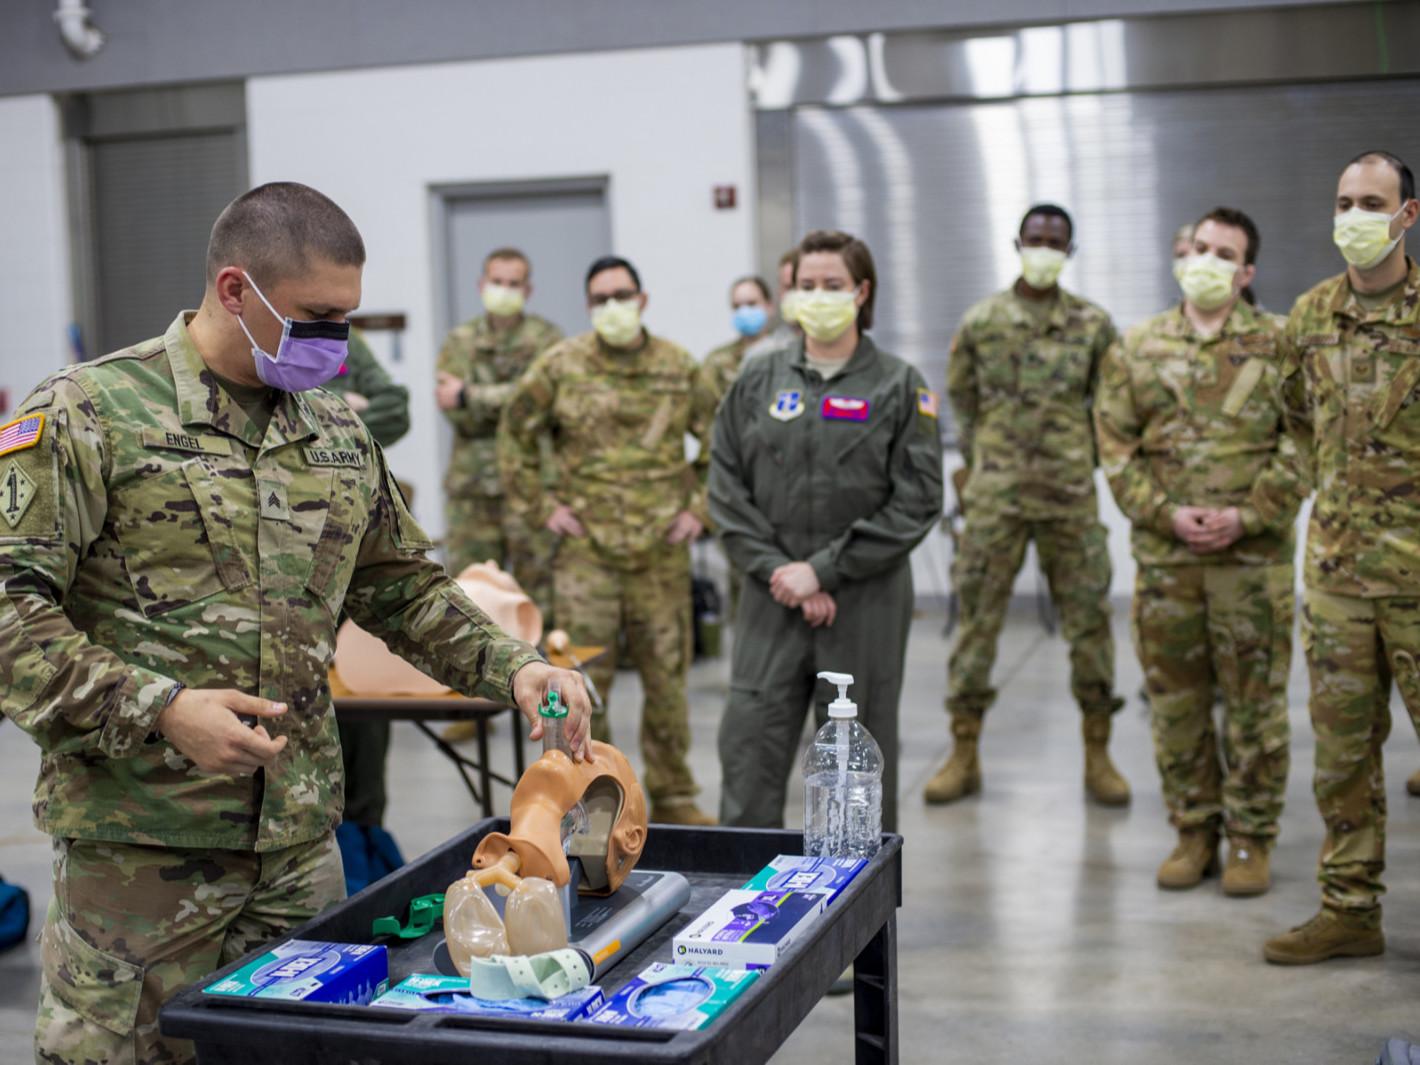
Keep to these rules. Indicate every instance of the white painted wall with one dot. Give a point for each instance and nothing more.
(35, 304)
(665, 124)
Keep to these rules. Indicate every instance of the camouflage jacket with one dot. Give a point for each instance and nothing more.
(618, 420)
(845, 475)
(490, 362)
(722, 365)
(1184, 419)
(1020, 390)
(1353, 394)
(154, 537)
(387, 416)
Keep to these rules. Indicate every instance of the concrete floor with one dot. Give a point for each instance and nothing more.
(1031, 928)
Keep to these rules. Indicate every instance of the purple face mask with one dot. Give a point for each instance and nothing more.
(311, 353)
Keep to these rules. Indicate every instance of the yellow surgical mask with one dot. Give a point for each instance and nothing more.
(1363, 237)
(1041, 266)
(1207, 281)
(617, 322)
(787, 306)
(501, 301)
(825, 315)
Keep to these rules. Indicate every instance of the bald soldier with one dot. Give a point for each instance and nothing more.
(1352, 348)
(183, 523)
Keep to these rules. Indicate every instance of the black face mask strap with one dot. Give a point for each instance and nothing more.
(320, 330)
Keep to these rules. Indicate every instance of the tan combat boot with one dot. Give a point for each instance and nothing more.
(1195, 857)
(961, 774)
(681, 813)
(1412, 783)
(1102, 781)
(1248, 870)
(1330, 934)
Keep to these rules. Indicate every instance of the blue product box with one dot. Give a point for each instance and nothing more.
(305, 970)
(747, 929)
(792, 872)
(449, 994)
(682, 997)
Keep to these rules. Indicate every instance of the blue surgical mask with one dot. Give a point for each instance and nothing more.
(749, 320)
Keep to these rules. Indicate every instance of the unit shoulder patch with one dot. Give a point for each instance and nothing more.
(17, 491)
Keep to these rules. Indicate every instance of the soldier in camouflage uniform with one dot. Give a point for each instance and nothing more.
(478, 368)
(617, 403)
(1193, 439)
(750, 302)
(178, 541)
(1352, 349)
(1021, 377)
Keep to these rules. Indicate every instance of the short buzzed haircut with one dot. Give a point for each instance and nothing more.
(273, 232)
(1407, 179)
(612, 262)
(507, 255)
(1231, 216)
(1048, 210)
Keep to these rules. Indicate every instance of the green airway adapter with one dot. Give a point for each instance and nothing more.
(423, 912)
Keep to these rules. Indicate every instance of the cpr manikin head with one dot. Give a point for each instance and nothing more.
(550, 788)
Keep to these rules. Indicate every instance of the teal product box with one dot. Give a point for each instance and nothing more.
(308, 971)
(682, 997)
(747, 929)
(449, 994)
(793, 872)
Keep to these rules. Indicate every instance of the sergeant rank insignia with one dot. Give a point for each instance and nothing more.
(788, 405)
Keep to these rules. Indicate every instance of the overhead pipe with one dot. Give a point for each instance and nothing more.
(73, 18)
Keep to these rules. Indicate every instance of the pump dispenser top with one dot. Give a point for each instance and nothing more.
(842, 706)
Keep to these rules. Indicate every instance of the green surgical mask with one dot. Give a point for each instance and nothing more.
(825, 315)
(1363, 237)
(501, 301)
(1207, 281)
(1041, 266)
(617, 322)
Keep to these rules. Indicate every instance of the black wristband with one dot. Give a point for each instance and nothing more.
(463, 396)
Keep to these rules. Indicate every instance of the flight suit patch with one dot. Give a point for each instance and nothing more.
(787, 405)
(846, 408)
(273, 500)
(926, 402)
(17, 491)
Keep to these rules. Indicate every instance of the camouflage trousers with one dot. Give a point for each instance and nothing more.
(479, 528)
(130, 926)
(1229, 628)
(1075, 559)
(1354, 647)
(595, 600)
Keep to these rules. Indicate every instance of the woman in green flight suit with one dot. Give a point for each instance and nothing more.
(825, 473)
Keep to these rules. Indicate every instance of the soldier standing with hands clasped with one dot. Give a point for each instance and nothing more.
(1193, 440)
(1352, 351)
(185, 521)
(617, 403)
(1021, 378)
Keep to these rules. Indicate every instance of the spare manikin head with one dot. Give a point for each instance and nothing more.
(552, 786)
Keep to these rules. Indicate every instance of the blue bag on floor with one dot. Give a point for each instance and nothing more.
(14, 914)
(369, 853)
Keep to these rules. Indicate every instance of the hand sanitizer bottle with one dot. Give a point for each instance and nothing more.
(843, 783)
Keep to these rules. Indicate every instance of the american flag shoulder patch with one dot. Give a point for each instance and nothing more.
(927, 402)
(21, 433)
